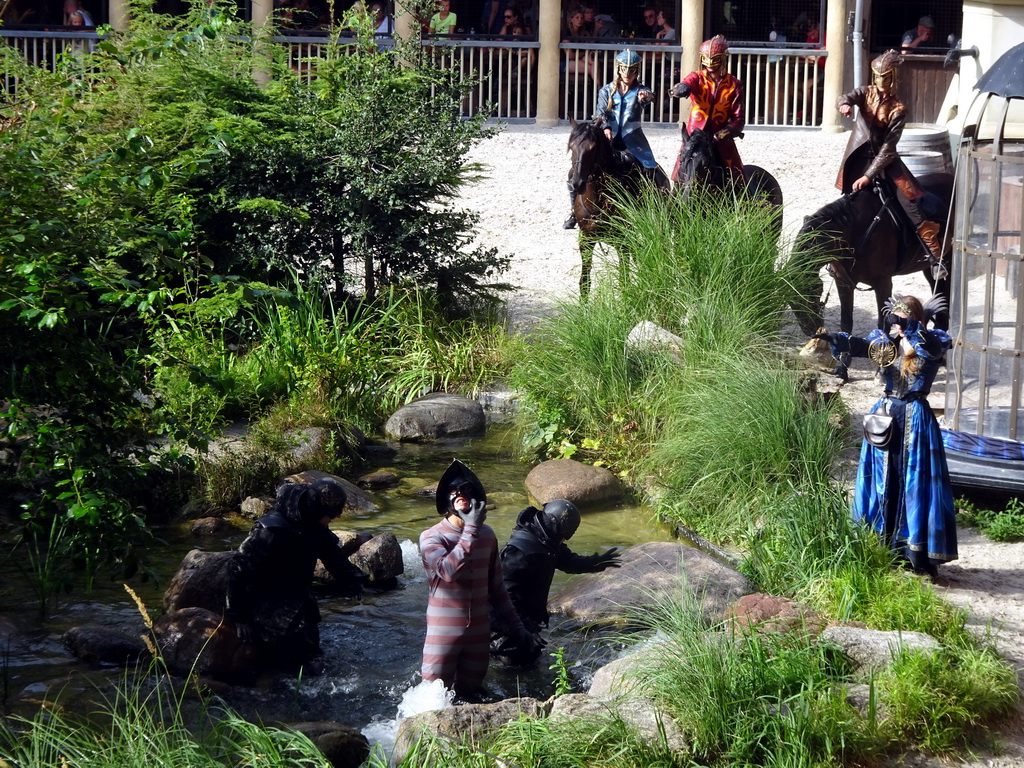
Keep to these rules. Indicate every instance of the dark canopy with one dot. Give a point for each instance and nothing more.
(1006, 77)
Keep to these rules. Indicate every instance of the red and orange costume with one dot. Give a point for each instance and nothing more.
(716, 104)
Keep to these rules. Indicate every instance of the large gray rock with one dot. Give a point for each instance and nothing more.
(357, 500)
(641, 714)
(774, 614)
(582, 484)
(470, 723)
(307, 445)
(652, 572)
(343, 747)
(645, 336)
(201, 642)
(873, 649)
(380, 559)
(104, 645)
(200, 582)
(436, 415)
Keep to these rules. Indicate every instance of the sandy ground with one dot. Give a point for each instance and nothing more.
(523, 202)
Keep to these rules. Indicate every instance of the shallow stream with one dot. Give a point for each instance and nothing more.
(371, 647)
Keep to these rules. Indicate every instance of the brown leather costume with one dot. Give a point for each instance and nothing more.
(872, 145)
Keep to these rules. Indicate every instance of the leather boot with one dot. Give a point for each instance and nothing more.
(570, 223)
(929, 231)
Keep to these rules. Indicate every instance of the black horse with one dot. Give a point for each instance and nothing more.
(700, 166)
(596, 167)
(866, 238)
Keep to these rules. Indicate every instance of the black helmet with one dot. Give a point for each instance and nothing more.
(561, 518)
(306, 504)
(458, 477)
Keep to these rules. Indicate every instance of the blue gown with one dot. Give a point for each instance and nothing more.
(903, 491)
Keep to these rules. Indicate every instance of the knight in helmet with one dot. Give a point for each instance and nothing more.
(716, 104)
(871, 150)
(534, 551)
(620, 105)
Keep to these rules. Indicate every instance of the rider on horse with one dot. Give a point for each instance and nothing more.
(620, 105)
(872, 145)
(716, 104)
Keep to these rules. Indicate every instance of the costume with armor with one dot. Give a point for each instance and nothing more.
(903, 490)
(871, 150)
(620, 106)
(716, 104)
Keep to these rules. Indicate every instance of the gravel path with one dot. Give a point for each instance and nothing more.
(523, 202)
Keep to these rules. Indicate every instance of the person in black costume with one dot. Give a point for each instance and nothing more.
(269, 579)
(535, 550)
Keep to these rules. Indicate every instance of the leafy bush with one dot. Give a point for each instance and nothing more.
(1006, 524)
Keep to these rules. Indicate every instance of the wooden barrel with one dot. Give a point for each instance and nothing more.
(923, 141)
(921, 163)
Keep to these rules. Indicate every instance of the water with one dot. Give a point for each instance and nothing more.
(371, 646)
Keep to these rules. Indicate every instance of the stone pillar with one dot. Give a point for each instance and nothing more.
(117, 14)
(549, 24)
(404, 22)
(262, 11)
(690, 31)
(835, 43)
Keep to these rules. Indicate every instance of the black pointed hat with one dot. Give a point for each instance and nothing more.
(456, 476)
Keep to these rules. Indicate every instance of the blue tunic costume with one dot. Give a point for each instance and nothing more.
(903, 491)
(623, 118)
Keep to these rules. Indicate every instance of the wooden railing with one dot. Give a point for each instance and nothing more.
(782, 87)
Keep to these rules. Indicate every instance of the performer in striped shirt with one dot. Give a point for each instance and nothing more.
(460, 555)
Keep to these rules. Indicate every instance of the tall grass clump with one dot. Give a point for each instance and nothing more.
(746, 698)
(146, 724)
(737, 432)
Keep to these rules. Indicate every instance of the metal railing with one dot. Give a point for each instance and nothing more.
(781, 86)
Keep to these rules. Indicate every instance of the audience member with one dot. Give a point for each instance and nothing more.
(920, 35)
(667, 32)
(381, 19)
(444, 22)
(491, 18)
(74, 6)
(604, 26)
(649, 30)
(589, 26)
(576, 60)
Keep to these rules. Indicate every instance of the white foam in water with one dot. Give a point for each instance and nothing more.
(412, 561)
(420, 698)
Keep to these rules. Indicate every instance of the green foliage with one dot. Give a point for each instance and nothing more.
(751, 698)
(146, 725)
(1006, 524)
(937, 698)
(563, 680)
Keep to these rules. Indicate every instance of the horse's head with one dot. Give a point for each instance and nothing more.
(697, 160)
(590, 150)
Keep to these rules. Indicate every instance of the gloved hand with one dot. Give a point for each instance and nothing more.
(245, 632)
(476, 514)
(530, 645)
(825, 337)
(608, 559)
(679, 91)
(352, 588)
(725, 133)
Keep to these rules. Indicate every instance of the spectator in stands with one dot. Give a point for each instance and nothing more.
(74, 6)
(491, 18)
(444, 22)
(920, 35)
(650, 29)
(589, 26)
(381, 20)
(576, 60)
(604, 26)
(667, 32)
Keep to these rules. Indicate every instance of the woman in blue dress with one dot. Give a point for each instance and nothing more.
(903, 489)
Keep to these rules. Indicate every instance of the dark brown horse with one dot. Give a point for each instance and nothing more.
(700, 166)
(597, 167)
(866, 240)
